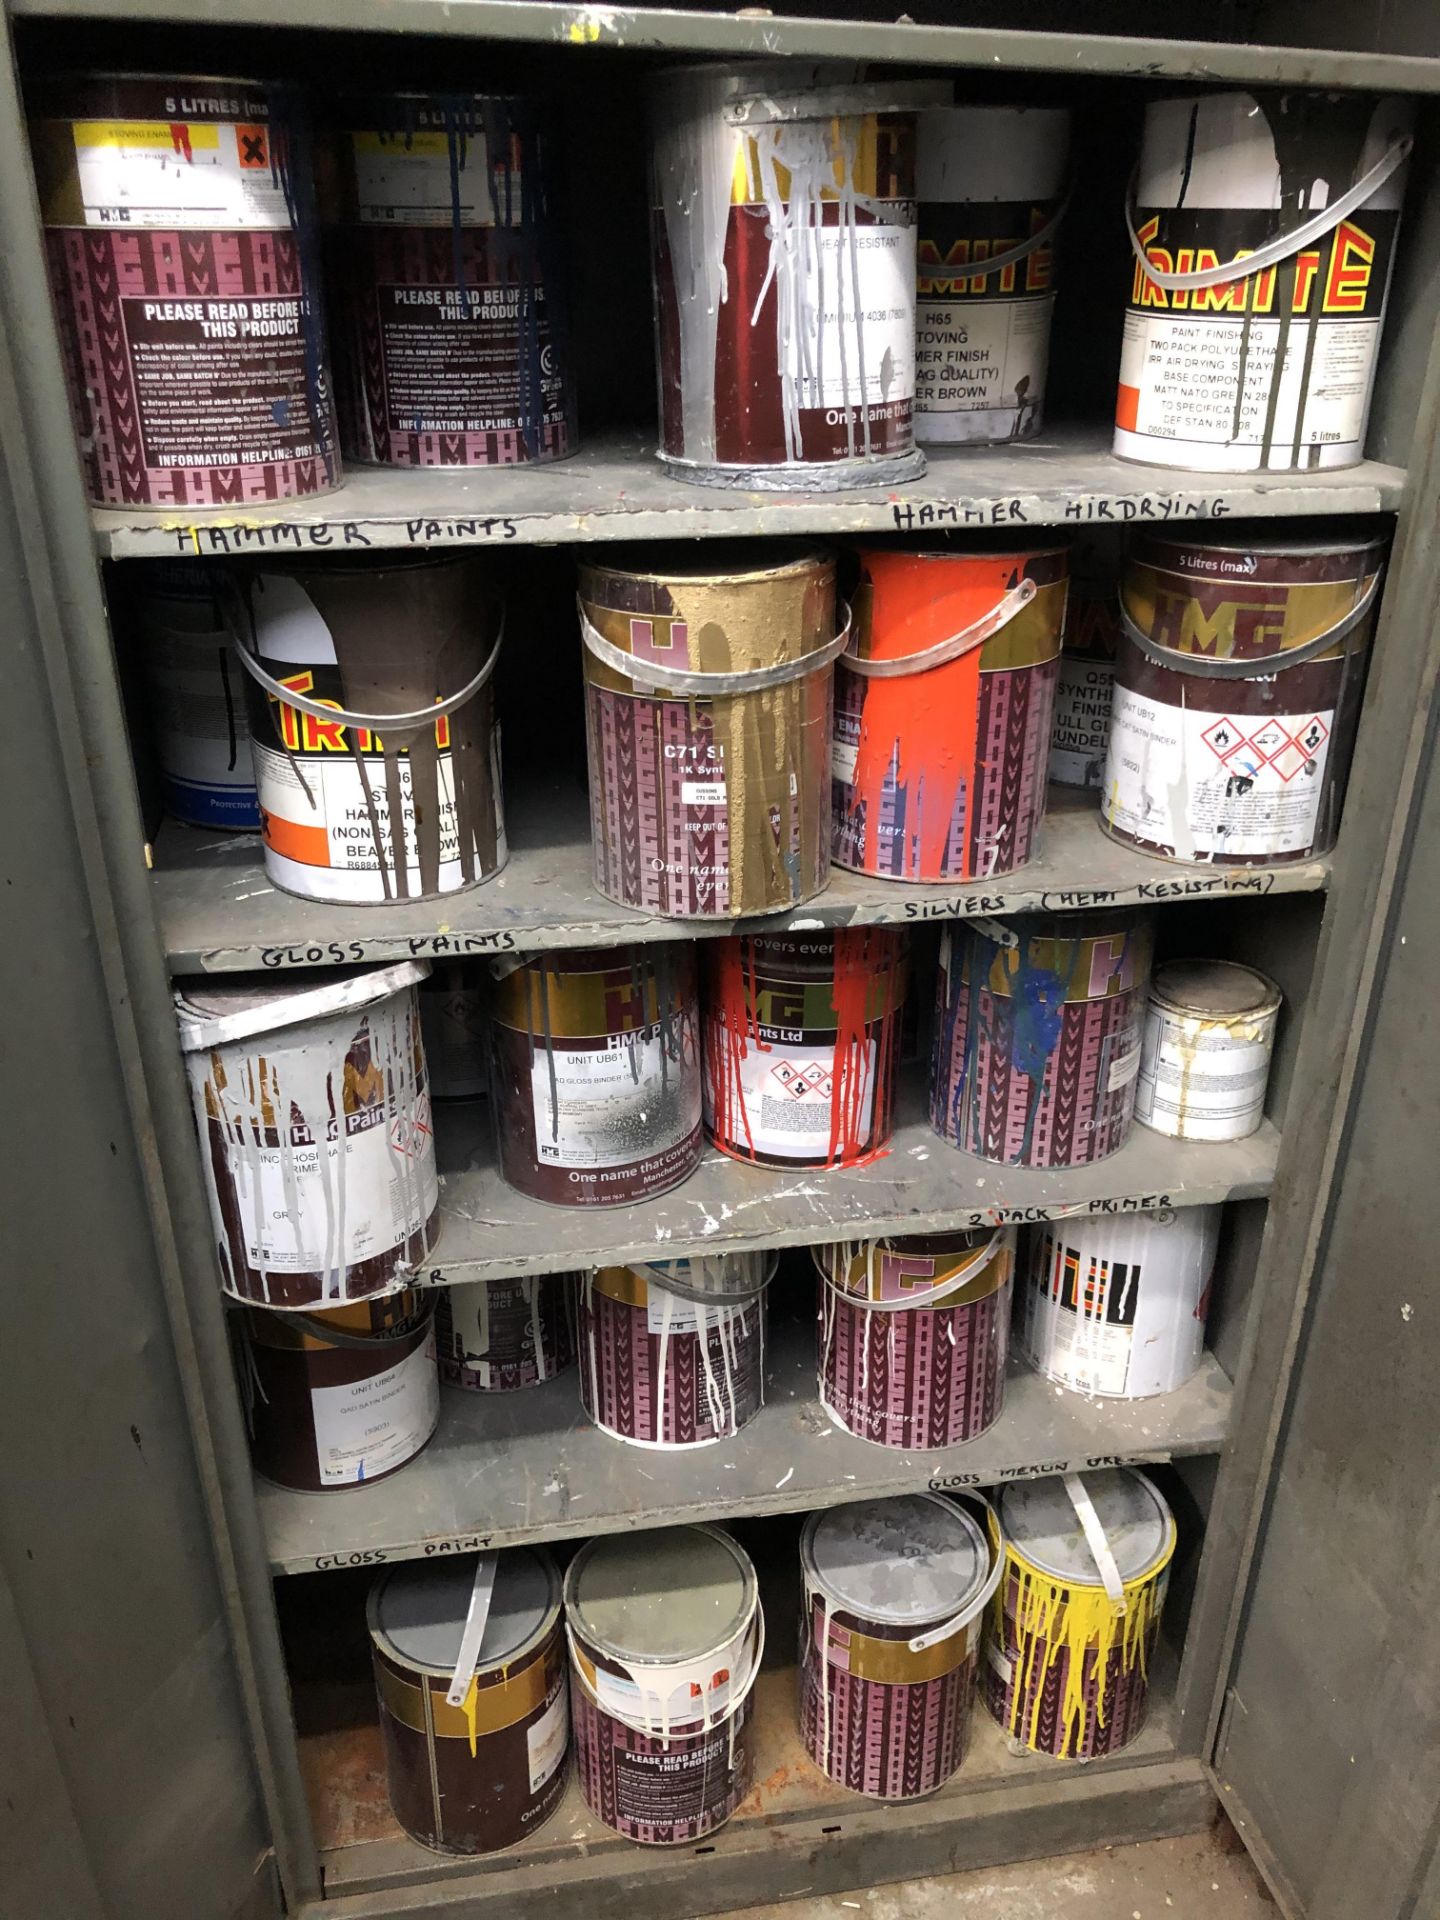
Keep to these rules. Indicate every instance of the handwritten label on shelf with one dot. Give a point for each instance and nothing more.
(1039, 1469)
(292, 536)
(1199, 886)
(342, 952)
(460, 1543)
(361, 1557)
(1116, 507)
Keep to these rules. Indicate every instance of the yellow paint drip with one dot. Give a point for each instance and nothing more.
(470, 1708)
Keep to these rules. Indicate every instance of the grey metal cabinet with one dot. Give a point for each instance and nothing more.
(163, 1756)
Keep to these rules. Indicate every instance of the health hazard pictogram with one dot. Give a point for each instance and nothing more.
(1287, 747)
(803, 1078)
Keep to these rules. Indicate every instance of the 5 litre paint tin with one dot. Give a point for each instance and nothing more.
(341, 1398)
(450, 347)
(991, 185)
(1117, 1307)
(707, 704)
(1037, 1036)
(1076, 1616)
(495, 1336)
(1274, 368)
(801, 1039)
(597, 1074)
(314, 1120)
(399, 800)
(452, 1018)
(673, 1352)
(1085, 688)
(181, 239)
(1237, 691)
(783, 218)
(1205, 1058)
(893, 1595)
(913, 1332)
(942, 711)
(666, 1637)
(475, 1730)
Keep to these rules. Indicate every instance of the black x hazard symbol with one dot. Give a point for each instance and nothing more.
(254, 147)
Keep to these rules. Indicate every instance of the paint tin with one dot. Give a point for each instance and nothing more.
(411, 643)
(495, 1336)
(196, 695)
(1085, 688)
(801, 1039)
(913, 1332)
(943, 711)
(991, 186)
(1305, 188)
(892, 1608)
(1071, 1635)
(450, 348)
(673, 1352)
(1237, 692)
(1117, 1308)
(666, 1637)
(300, 1219)
(597, 1074)
(783, 218)
(452, 1019)
(180, 233)
(341, 1398)
(1037, 1036)
(1205, 1057)
(487, 1772)
(707, 701)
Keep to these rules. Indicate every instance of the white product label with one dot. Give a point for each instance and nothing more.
(548, 1739)
(364, 1429)
(979, 355)
(869, 270)
(789, 1096)
(999, 1661)
(1215, 783)
(1080, 732)
(843, 757)
(407, 178)
(1202, 1081)
(702, 793)
(668, 1313)
(158, 173)
(599, 1106)
(1123, 1069)
(1093, 1355)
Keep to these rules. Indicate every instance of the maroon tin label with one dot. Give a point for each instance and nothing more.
(661, 1792)
(914, 1377)
(495, 1336)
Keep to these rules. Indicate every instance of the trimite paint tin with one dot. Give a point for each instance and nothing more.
(1273, 369)
(486, 1773)
(596, 1064)
(672, 1354)
(1037, 1036)
(666, 1636)
(893, 1595)
(1085, 688)
(308, 1213)
(449, 340)
(801, 1044)
(453, 1020)
(942, 711)
(1117, 1307)
(372, 721)
(707, 706)
(913, 1332)
(1237, 691)
(1205, 1057)
(497, 1335)
(991, 186)
(1071, 1637)
(783, 221)
(180, 231)
(343, 1398)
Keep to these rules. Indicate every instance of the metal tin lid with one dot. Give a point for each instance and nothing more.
(904, 1562)
(417, 1612)
(1042, 1525)
(210, 1014)
(712, 561)
(1332, 535)
(1214, 989)
(667, 1595)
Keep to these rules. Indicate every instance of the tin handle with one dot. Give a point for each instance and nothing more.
(1095, 1538)
(958, 644)
(981, 1258)
(1209, 667)
(360, 1342)
(1042, 237)
(684, 1291)
(1284, 244)
(476, 1615)
(713, 685)
(982, 1599)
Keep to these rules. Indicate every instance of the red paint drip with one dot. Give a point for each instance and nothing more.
(730, 1030)
(180, 140)
(865, 958)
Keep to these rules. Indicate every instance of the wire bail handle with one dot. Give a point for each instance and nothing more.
(696, 680)
(1212, 668)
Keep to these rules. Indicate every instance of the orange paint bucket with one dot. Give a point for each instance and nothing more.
(943, 706)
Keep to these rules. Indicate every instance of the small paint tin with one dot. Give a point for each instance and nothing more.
(597, 1074)
(1205, 1055)
(495, 1336)
(1037, 1036)
(341, 1398)
(302, 1216)
(1071, 1637)
(485, 1774)
(673, 1352)
(1085, 688)
(801, 1040)
(1116, 1307)
(913, 1333)
(893, 1600)
(666, 1637)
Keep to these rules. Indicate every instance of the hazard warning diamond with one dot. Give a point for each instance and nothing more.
(1269, 739)
(1313, 735)
(1223, 738)
(1290, 760)
(800, 1078)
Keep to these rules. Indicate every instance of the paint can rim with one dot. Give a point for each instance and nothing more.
(249, 1011)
